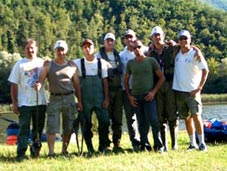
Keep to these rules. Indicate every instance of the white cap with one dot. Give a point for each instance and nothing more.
(184, 33)
(109, 36)
(157, 30)
(130, 32)
(61, 44)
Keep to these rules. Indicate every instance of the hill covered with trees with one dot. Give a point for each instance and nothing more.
(48, 21)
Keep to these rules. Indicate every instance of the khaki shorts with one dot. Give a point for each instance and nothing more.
(64, 105)
(188, 105)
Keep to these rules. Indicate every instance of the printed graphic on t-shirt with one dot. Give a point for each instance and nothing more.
(32, 76)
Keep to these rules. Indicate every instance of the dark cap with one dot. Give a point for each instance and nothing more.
(87, 41)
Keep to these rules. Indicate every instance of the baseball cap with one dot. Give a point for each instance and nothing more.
(109, 36)
(130, 32)
(87, 41)
(61, 44)
(157, 30)
(184, 33)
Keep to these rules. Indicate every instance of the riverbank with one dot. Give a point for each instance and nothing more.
(214, 98)
(206, 99)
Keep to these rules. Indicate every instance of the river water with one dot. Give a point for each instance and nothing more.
(209, 111)
(218, 111)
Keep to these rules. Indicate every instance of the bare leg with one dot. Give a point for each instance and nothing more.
(191, 130)
(189, 126)
(65, 142)
(198, 124)
(51, 142)
(199, 128)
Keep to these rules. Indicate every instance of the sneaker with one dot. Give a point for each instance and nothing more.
(51, 156)
(118, 149)
(148, 147)
(203, 147)
(161, 150)
(65, 154)
(136, 148)
(192, 147)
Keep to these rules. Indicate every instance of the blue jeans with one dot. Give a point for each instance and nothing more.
(147, 111)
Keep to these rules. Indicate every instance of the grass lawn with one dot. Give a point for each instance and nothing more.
(213, 160)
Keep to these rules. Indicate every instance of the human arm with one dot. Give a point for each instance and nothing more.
(132, 99)
(76, 85)
(170, 42)
(198, 54)
(201, 84)
(161, 78)
(42, 76)
(106, 92)
(14, 95)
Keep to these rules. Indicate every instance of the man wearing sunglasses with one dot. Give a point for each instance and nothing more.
(142, 96)
(189, 78)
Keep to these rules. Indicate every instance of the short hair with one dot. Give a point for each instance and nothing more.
(28, 41)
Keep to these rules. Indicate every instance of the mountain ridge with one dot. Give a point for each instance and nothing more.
(218, 4)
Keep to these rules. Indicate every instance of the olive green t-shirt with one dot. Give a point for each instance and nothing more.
(142, 75)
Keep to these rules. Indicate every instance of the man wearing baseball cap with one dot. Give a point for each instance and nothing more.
(111, 55)
(142, 96)
(165, 97)
(63, 81)
(126, 55)
(95, 96)
(189, 78)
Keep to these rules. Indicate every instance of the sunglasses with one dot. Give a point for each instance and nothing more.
(137, 47)
(183, 38)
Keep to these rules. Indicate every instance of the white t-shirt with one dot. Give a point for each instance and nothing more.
(112, 62)
(91, 67)
(188, 71)
(25, 73)
(125, 56)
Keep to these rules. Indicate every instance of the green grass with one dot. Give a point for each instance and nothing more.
(214, 98)
(214, 159)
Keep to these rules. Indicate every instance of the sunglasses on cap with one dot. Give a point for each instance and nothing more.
(183, 38)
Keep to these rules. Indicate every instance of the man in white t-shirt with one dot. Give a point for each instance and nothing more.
(95, 96)
(29, 104)
(189, 78)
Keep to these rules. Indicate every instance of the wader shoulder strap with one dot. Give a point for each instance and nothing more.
(99, 68)
(116, 56)
(84, 71)
(82, 67)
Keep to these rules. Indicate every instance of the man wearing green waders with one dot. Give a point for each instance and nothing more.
(95, 96)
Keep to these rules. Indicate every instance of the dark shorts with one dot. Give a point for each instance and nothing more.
(64, 105)
(188, 105)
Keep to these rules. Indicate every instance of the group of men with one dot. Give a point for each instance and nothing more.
(154, 85)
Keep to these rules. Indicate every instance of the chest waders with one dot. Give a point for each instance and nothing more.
(92, 99)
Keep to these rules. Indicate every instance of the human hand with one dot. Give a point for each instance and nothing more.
(132, 101)
(15, 108)
(149, 96)
(37, 86)
(106, 103)
(79, 106)
(194, 92)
